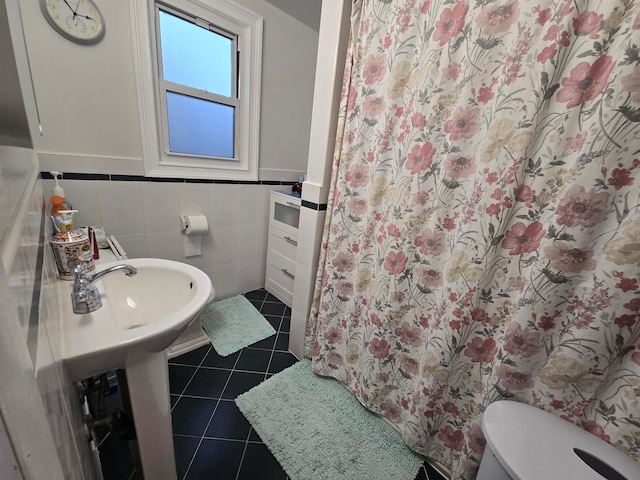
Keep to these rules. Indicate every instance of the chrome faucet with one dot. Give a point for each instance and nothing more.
(85, 296)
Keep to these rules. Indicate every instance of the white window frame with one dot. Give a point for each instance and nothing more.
(227, 16)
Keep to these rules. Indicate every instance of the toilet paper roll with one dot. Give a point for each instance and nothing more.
(194, 224)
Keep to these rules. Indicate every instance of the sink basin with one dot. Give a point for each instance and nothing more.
(140, 315)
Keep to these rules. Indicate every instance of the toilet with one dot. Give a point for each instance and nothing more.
(524, 442)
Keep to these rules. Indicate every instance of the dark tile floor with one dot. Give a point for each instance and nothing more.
(212, 439)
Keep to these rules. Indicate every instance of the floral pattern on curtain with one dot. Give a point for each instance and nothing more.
(482, 239)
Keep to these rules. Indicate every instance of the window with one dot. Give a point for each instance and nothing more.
(199, 78)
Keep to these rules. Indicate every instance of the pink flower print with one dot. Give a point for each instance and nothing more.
(353, 96)
(344, 289)
(548, 53)
(357, 175)
(565, 257)
(579, 207)
(631, 84)
(451, 71)
(333, 335)
(464, 123)
(375, 67)
(379, 348)
(357, 205)
(633, 305)
(391, 411)
(588, 23)
(430, 242)
(428, 276)
(626, 320)
(395, 263)
(585, 82)
(397, 296)
(635, 358)
(518, 341)
(458, 166)
(495, 19)
(523, 238)
(420, 157)
(418, 120)
(453, 439)
(408, 363)
(620, 177)
(334, 359)
(636, 22)
(420, 198)
(498, 193)
(425, 7)
(475, 439)
(525, 194)
(546, 323)
(493, 210)
(575, 143)
(408, 334)
(512, 379)
(479, 350)
(479, 315)
(518, 282)
(373, 106)
(450, 23)
(626, 284)
(592, 427)
(448, 224)
(343, 262)
(553, 32)
(485, 94)
(543, 16)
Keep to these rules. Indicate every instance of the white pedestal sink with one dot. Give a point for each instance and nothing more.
(139, 318)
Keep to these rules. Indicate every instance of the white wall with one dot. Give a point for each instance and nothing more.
(86, 95)
(38, 403)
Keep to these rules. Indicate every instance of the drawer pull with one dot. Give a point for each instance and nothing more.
(287, 272)
(291, 241)
(294, 205)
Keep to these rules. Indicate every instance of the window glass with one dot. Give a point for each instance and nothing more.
(196, 57)
(200, 127)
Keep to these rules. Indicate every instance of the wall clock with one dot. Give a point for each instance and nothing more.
(77, 20)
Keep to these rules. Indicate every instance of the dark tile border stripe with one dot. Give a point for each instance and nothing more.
(34, 314)
(140, 178)
(314, 206)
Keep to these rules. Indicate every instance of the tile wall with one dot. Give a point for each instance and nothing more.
(144, 217)
(45, 419)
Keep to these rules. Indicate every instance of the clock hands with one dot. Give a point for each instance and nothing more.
(71, 8)
(75, 11)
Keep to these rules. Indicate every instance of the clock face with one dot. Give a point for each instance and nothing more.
(77, 20)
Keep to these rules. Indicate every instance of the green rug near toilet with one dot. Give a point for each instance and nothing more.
(317, 430)
(233, 324)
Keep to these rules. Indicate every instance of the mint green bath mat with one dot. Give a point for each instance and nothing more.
(234, 323)
(317, 430)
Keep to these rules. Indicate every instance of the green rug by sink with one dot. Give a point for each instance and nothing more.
(317, 430)
(234, 323)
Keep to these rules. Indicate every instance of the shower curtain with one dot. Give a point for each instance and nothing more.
(482, 238)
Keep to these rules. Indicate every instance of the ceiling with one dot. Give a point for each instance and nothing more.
(305, 11)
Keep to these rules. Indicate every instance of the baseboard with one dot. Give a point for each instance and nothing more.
(187, 346)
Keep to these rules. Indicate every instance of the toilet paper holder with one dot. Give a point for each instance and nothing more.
(195, 223)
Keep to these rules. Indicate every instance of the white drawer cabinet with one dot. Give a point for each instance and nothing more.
(284, 218)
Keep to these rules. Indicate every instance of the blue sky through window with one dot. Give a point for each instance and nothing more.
(196, 57)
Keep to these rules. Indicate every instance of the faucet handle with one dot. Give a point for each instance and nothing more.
(78, 268)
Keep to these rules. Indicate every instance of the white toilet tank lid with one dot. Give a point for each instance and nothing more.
(531, 443)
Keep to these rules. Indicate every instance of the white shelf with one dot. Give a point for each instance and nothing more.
(284, 218)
